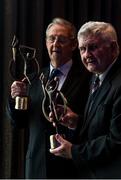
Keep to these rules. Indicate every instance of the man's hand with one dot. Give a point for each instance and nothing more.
(18, 88)
(69, 119)
(64, 150)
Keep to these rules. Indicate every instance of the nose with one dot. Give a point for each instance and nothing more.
(88, 53)
(56, 41)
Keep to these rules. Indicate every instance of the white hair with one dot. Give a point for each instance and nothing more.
(105, 30)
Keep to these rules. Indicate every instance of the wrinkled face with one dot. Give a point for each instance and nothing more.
(59, 44)
(96, 54)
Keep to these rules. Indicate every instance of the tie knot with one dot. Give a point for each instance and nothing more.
(54, 73)
(97, 80)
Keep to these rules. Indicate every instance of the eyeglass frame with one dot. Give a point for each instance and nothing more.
(61, 39)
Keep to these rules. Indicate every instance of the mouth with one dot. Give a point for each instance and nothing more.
(92, 65)
(91, 61)
(56, 51)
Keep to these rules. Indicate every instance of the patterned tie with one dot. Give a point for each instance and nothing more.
(93, 91)
(95, 85)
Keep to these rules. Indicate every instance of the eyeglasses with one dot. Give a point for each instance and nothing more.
(60, 39)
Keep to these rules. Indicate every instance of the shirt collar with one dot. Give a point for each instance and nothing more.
(103, 75)
(64, 68)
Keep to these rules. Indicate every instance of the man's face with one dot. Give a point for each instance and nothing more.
(96, 54)
(59, 44)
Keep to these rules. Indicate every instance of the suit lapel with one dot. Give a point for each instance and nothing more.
(101, 94)
(69, 79)
(67, 82)
(105, 87)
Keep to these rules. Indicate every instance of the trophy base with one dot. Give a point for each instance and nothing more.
(53, 142)
(21, 103)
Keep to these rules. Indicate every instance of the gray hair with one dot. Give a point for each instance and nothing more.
(61, 21)
(105, 30)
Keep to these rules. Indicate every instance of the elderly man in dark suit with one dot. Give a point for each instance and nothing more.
(73, 78)
(97, 153)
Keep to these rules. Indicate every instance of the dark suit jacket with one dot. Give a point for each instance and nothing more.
(99, 152)
(39, 162)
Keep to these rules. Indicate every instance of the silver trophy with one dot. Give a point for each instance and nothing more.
(23, 66)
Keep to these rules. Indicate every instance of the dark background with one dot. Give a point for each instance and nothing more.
(28, 19)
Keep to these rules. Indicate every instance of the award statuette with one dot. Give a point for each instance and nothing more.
(23, 66)
(51, 96)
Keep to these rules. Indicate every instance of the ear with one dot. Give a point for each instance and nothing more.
(74, 44)
(114, 48)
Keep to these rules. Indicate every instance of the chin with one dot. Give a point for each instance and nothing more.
(92, 69)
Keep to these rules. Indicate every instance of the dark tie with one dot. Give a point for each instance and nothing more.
(93, 91)
(95, 85)
(54, 73)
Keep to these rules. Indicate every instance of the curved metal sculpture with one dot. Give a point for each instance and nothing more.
(23, 67)
(50, 90)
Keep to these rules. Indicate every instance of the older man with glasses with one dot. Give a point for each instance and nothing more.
(73, 79)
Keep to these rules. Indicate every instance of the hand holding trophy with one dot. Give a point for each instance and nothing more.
(51, 92)
(23, 67)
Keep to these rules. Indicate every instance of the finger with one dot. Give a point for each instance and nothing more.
(59, 138)
(56, 151)
(18, 89)
(14, 84)
(19, 84)
(14, 94)
(64, 121)
(25, 80)
(54, 124)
